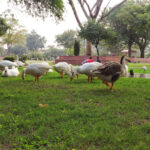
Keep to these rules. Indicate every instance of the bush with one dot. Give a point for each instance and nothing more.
(11, 58)
(23, 58)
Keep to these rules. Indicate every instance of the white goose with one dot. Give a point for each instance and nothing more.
(36, 70)
(63, 67)
(87, 70)
(19, 63)
(7, 63)
(14, 72)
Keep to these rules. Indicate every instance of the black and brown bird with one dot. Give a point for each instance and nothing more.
(110, 72)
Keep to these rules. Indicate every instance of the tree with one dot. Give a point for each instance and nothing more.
(76, 48)
(132, 23)
(3, 26)
(66, 39)
(92, 13)
(35, 41)
(54, 52)
(16, 34)
(19, 50)
(42, 8)
(96, 32)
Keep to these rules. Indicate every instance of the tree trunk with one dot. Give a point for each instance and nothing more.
(97, 50)
(129, 49)
(142, 52)
(88, 48)
(8, 48)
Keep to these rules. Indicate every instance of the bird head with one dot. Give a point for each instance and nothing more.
(123, 59)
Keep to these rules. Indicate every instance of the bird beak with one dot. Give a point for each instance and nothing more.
(128, 60)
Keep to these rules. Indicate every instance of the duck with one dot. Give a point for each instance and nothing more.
(14, 72)
(7, 63)
(110, 72)
(36, 70)
(86, 69)
(63, 67)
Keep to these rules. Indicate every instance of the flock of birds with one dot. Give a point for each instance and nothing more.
(108, 72)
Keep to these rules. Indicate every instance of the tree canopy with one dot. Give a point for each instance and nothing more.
(3, 26)
(66, 39)
(16, 34)
(132, 24)
(42, 8)
(35, 41)
(96, 32)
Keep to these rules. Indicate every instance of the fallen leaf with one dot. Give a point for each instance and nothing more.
(43, 105)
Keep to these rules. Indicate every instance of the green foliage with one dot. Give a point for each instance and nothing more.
(53, 53)
(35, 56)
(42, 8)
(79, 115)
(16, 34)
(66, 39)
(3, 26)
(23, 58)
(76, 48)
(132, 23)
(19, 50)
(96, 32)
(35, 41)
(11, 58)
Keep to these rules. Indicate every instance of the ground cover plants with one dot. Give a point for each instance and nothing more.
(79, 115)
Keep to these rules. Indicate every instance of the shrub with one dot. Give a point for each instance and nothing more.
(76, 48)
(23, 58)
(11, 58)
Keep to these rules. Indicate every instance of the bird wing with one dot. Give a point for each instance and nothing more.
(109, 68)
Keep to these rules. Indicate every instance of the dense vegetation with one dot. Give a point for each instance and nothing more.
(79, 115)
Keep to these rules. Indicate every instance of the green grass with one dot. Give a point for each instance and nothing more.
(79, 116)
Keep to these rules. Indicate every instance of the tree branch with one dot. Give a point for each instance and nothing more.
(90, 12)
(97, 9)
(82, 6)
(111, 10)
(75, 13)
(105, 8)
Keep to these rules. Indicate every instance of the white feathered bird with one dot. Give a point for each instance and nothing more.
(87, 70)
(20, 63)
(7, 63)
(63, 67)
(14, 72)
(144, 68)
(36, 70)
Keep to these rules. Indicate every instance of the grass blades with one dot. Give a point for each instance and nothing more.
(79, 115)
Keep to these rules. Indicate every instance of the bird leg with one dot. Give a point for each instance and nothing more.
(61, 74)
(77, 76)
(91, 79)
(111, 86)
(35, 78)
(107, 84)
(88, 79)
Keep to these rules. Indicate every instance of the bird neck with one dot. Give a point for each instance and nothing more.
(122, 61)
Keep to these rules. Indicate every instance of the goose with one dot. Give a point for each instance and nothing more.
(14, 72)
(110, 72)
(63, 67)
(144, 68)
(7, 63)
(19, 63)
(86, 69)
(36, 70)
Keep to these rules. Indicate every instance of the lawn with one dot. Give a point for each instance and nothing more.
(79, 115)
